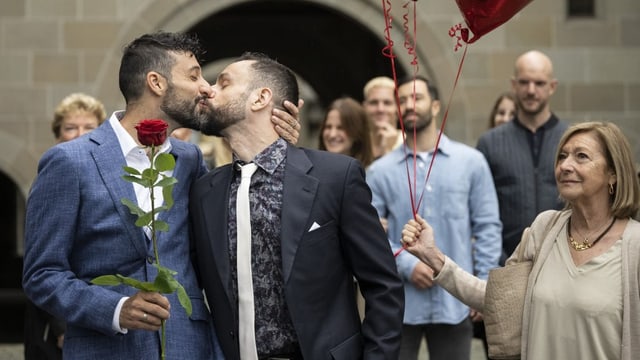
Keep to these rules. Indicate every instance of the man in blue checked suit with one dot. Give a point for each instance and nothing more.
(77, 228)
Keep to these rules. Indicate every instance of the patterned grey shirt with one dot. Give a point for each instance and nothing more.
(274, 329)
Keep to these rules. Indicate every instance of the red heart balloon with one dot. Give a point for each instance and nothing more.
(483, 16)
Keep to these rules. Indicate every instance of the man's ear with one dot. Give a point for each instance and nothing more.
(435, 107)
(262, 98)
(157, 83)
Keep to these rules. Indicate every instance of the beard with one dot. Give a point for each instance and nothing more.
(422, 120)
(529, 111)
(221, 117)
(183, 111)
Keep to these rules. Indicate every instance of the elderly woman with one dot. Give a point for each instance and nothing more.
(583, 294)
(76, 115)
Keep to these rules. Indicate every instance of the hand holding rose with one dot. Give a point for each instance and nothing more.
(144, 311)
(147, 309)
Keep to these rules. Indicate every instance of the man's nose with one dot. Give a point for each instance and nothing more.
(207, 90)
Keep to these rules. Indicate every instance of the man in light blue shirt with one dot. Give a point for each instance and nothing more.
(459, 201)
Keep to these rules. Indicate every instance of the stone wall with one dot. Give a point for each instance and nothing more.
(49, 48)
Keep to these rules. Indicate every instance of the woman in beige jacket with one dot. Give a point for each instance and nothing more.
(583, 293)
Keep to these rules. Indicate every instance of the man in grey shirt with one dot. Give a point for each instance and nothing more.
(521, 152)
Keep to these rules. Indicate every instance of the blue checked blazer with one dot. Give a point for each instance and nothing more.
(77, 229)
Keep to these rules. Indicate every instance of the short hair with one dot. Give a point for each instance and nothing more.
(626, 197)
(272, 74)
(379, 81)
(354, 121)
(151, 52)
(494, 110)
(433, 91)
(73, 103)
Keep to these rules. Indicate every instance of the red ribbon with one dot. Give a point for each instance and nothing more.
(410, 41)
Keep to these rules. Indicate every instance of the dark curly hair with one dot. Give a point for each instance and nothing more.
(152, 52)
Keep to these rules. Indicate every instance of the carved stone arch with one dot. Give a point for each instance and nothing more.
(346, 40)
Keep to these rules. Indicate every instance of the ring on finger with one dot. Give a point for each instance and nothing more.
(145, 316)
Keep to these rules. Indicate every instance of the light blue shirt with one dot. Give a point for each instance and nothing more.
(461, 205)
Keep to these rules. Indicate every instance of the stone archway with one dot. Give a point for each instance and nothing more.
(14, 186)
(334, 46)
(11, 296)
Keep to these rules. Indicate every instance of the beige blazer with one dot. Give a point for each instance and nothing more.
(470, 290)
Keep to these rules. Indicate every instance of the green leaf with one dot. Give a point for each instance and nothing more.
(144, 219)
(140, 285)
(133, 207)
(150, 175)
(159, 209)
(161, 225)
(165, 162)
(131, 170)
(133, 179)
(106, 280)
(113, 280)
(184, 299)
(165, 282)
(162, 269)
(167, 194)
(166, 181)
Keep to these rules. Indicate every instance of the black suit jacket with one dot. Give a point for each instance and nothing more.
(318, 265)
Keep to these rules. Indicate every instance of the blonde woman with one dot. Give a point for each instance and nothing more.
(583, 293)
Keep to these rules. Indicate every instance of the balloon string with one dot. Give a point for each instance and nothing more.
(387, 51)
(435, 150)
(410, 46)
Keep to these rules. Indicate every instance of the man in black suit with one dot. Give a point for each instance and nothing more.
(313, 229)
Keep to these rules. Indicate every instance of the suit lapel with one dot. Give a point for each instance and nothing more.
(183, 173)
(298, 195)
(297, 200)
(109, 161)
(215, 202)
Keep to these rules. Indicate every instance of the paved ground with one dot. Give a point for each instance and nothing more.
(15, 351)
(477, 351)
(11, 352)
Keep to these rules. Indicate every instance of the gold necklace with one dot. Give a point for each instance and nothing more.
(585, 243)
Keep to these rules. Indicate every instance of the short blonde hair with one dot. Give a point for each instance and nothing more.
(625, 200)
(73, 103)
(380, 81)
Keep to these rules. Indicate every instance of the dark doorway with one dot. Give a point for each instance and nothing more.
(334, 53)
(12, 299)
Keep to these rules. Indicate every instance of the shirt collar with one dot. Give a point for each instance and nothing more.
(127, 143)
(553, 121)
(269, 158)
(444, 148)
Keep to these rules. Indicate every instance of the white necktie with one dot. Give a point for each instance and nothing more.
(246, 311)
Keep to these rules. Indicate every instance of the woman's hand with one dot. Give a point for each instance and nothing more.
(418, 239)
(287, 123)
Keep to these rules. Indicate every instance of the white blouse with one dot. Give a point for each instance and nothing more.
(576, 312)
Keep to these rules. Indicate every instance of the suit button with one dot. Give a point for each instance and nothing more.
(232, 334)
(150, 259)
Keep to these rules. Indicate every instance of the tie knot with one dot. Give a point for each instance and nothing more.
(248, 169)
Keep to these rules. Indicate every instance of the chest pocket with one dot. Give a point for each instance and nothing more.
(453, 200)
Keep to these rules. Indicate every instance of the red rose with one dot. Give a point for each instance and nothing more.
(152, 132)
